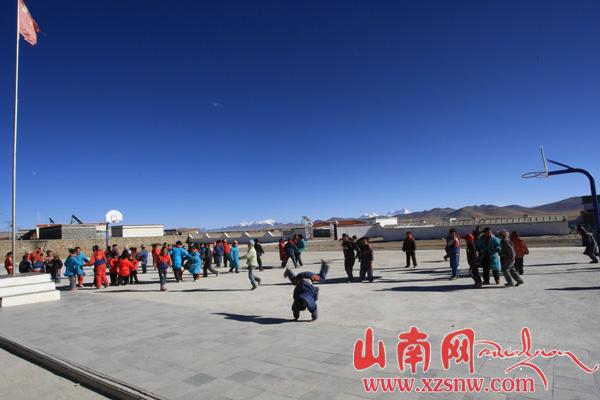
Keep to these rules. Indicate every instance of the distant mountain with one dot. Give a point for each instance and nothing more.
(368, 215)
(394, 213)
(570, 206)
(433, 214)
(333, 219)
(267, 224)
(403, 211)
(487, 211)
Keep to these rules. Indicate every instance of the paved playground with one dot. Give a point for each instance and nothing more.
(217, 339)
(22, 380)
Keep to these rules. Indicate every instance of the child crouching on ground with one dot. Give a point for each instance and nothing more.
(320, 277)
(305, 293)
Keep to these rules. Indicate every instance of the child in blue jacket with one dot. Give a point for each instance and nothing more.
(73, 268)
(234, 258)
(195, 263)
(178, 254)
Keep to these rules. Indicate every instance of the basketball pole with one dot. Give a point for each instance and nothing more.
(106, 236)
(14, 160)
(570, 170)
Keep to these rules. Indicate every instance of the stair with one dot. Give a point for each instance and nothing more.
(27, 288)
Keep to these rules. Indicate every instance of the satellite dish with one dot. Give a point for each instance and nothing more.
(114, 216)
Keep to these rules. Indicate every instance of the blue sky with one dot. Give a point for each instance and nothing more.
(206, 113)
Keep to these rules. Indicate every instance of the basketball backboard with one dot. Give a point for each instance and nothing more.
(114, 216)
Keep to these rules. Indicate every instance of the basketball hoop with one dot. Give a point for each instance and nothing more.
(567, 169)
(535, 174)
(539, 174)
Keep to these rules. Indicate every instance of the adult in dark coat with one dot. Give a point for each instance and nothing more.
(207, 255)
(366, 260)
(349, 250)
(409, 246)
(589, 242)
(290, 251)
(259, 253)
(473, 260)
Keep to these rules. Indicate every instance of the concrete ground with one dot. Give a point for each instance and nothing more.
(217, 339)
(21, 380)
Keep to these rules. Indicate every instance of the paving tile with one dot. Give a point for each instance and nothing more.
(584, 383)
(562, 394)
(199, 379)
(242, 376)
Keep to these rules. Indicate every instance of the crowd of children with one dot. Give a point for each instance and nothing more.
(361, 250)
(494, 254)
(113, 267)
(292, 249)
(502, 253)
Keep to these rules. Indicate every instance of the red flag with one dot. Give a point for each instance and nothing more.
(27, 25)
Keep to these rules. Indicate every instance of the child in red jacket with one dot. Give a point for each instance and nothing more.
(99, 261)
(37, 260)
(8, 263)
(521, 251)
(163, 263)
(112, 264)
(133, 257)
(124, 267)
(155, 255)
(282, 255)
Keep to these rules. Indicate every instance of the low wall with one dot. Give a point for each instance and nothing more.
(441, 231)
(241, 237)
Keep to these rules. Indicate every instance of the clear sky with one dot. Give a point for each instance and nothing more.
(208, 113)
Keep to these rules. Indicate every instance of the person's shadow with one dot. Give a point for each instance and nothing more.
(254, 318)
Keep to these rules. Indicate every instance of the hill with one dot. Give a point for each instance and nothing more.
(570, 207)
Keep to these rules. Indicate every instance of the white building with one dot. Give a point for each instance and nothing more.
(137, 230)
(383, 220)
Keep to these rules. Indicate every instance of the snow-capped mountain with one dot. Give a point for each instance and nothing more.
(394, 213)
(402, 211)
(264, 224)
(368, 215)
(269, 222)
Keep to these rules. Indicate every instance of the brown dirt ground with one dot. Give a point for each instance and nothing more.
(534, 241)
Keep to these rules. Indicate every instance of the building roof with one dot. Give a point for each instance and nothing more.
(340, 222)
(42, 226)
(139, 226)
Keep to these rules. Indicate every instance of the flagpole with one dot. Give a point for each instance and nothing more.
(14, 169)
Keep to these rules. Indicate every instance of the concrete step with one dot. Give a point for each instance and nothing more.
(23, 279)
(25, 289)
(29, 298)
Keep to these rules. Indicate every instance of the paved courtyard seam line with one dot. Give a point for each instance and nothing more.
(96, 381)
